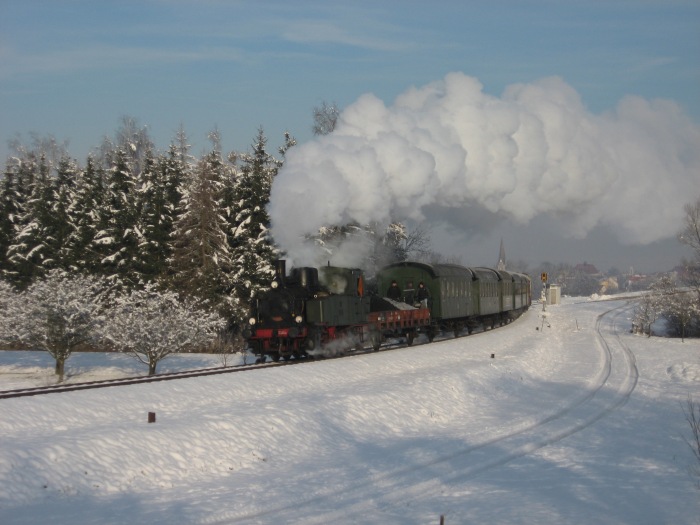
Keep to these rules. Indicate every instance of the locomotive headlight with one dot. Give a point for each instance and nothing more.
(275, 285)
(298, 319)
(252, 321)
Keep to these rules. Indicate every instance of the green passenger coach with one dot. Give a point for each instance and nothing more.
(460, 297)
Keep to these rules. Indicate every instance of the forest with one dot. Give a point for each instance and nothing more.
(134, 215)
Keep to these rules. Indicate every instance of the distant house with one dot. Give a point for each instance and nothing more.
(637, 282)
(587, 268)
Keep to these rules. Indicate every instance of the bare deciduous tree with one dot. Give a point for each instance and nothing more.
(690, 236)
(325, 118)
(692, 416)
(150, 325)
(57, 314)
(417, 242)
(645, 315)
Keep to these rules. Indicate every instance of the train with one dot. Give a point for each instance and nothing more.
(324, 311)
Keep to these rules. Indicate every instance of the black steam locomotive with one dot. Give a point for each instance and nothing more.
(325, 311)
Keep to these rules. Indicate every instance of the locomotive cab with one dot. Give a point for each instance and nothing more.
(303, 311)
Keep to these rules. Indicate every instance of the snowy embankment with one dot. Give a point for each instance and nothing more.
(574, 420)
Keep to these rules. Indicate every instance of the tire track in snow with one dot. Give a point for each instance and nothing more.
(609, 390)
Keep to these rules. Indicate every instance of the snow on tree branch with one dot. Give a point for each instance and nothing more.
(151, 324)
(56, 314)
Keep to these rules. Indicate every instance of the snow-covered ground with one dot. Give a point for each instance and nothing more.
(574, 421)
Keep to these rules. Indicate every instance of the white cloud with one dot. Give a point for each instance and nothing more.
(534, 151)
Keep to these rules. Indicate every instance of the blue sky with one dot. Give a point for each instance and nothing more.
(74, 68)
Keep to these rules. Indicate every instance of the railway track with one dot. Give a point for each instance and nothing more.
(203, 372)
(609, 389)
(127, 381)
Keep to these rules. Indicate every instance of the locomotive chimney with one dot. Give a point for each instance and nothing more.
(280, 269)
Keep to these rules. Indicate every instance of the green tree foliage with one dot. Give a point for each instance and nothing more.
(59, 227)
(200, 265)
(141, 218)
(88, 217)
(252, 250)
(9, 212)
(30, 250)
(118, 242)
(153, 226)
(134, 215)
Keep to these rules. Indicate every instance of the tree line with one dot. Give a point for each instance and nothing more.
(134, 215)
(62, 311)
(85, 249)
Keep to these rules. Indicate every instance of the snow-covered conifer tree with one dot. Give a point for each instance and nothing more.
(289, 142)
(118, 242)
(30, 249)
(252, 251)
(9, 201)
(160, 193)
(153, 237)
(8, 302)
(59, 229)
(87, 217)
(200, 264)
(175, 167)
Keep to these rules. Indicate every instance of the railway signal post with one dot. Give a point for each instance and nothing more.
(544, 291)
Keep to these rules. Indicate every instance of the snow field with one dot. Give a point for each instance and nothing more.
(544, 432)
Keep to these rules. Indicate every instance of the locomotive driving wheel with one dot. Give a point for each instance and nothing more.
(375, 338)
(410, 336)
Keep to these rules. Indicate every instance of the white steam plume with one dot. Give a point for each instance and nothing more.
(535, 150)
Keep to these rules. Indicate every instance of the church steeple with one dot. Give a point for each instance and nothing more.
(501, 258)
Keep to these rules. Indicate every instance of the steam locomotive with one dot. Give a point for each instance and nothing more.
(327, 311)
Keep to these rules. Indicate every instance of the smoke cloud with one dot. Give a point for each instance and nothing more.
(534, 150)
